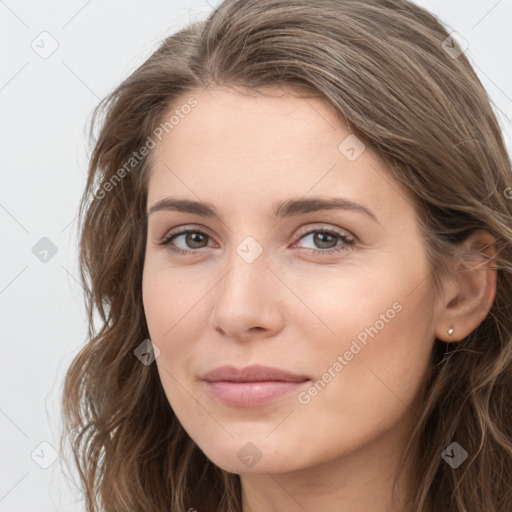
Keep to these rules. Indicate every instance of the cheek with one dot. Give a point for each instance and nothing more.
(376, 352)
(166, 302)
(373, 369)
(170, 299)
(176, 313)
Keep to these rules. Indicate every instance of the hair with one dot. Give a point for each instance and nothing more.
(384, 66)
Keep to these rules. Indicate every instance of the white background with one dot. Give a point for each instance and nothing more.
(45, 105)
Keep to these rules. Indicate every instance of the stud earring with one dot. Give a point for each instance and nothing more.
(450, 331)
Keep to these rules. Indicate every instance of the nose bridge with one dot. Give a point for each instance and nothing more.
(248, 270)
(245, 297)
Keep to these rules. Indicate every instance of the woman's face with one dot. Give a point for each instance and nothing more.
(341, 298)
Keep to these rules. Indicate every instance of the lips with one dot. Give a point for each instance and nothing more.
(253, 386)
(254, 373)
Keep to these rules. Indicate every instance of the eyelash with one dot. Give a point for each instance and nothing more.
(348, 241)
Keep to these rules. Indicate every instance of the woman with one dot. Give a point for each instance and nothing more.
(296, 233)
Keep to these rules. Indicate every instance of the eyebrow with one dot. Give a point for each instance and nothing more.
(280, 210)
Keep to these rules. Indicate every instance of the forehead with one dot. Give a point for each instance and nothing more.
(238, 146)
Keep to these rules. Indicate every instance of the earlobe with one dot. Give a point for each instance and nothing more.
(475, 283)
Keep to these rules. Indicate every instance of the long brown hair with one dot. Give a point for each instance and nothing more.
(404, 86)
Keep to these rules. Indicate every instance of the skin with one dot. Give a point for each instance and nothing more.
(291, 308)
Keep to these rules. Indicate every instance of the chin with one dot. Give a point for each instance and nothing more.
(252, 457)
(235, 466)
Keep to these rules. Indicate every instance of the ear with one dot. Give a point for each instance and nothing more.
(472, 288)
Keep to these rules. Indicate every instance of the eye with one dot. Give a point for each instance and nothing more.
(325, 238)
(195, 239)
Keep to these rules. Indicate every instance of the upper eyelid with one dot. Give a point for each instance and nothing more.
(320, 227)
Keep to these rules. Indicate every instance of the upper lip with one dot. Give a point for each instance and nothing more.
(254, 373)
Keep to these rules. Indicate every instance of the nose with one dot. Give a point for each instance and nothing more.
(247, 302)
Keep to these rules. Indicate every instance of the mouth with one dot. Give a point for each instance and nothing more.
(253, 386)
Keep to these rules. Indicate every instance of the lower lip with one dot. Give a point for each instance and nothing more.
(251, 394)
